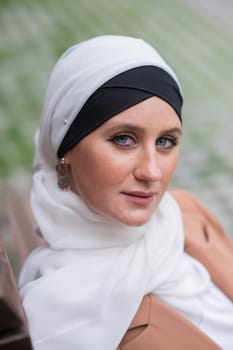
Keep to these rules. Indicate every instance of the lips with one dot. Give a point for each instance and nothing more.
(140, 197)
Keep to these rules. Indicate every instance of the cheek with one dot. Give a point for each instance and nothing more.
(169, 167)
(97, 172)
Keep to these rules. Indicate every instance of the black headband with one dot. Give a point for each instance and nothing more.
(116, 95)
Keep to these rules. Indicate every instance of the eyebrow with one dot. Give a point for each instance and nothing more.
(136, 128)
(173, 130)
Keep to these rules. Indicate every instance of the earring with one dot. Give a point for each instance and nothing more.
(63, 174)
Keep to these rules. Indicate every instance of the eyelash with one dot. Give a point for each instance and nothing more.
(115, 139)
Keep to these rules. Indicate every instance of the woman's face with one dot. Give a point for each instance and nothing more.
(122, 169)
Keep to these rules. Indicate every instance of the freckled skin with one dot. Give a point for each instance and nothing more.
(106, 168)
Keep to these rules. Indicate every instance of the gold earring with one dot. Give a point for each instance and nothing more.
(63, 174)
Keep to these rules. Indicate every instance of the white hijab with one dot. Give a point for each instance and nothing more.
(83, 289)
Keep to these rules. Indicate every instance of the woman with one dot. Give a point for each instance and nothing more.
(126, 265)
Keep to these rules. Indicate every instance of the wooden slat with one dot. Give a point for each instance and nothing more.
(13, 329)
(20, 219)
(17, 224)
(15, 341)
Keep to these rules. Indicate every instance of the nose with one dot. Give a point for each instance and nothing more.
(148, 168)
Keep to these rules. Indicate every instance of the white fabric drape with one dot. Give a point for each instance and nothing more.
(83, 290)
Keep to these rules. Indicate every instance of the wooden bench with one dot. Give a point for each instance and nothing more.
(16, 240)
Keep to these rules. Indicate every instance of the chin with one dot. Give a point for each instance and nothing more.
(135, 221)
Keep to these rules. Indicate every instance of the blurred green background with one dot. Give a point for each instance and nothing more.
(195, 37)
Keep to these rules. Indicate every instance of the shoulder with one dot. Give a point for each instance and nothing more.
(187, 201)
(190, 205)
(197, 218)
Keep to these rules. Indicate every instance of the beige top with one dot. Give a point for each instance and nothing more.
(157, 325)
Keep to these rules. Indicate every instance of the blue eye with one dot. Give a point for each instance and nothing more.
(123, 140)
(166, 142)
